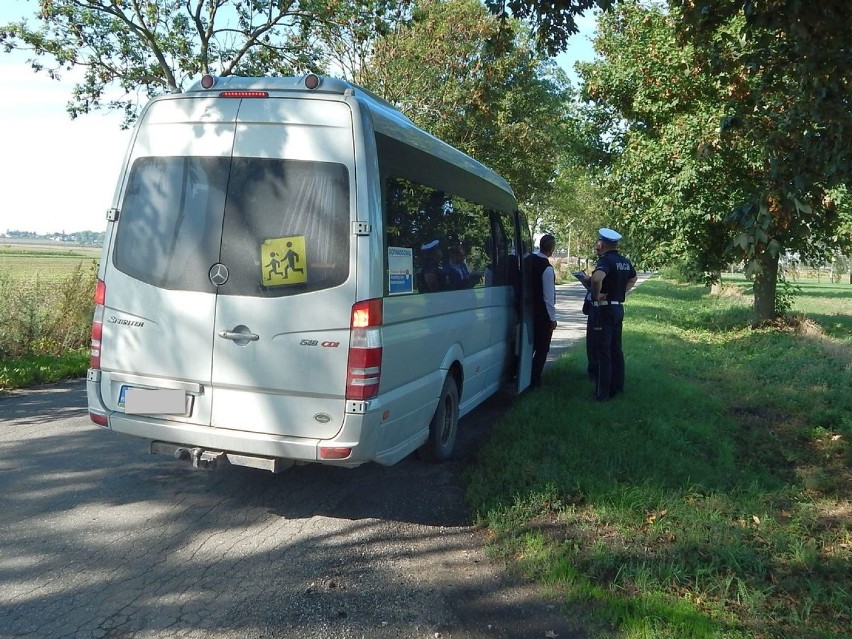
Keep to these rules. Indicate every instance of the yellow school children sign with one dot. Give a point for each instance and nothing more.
(283, 261)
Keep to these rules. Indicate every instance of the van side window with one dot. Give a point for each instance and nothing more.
(416, 216)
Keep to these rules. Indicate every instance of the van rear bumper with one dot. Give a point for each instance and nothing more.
(249, 443)
(353, 435)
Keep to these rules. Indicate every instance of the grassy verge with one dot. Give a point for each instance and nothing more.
(30, 370)
(712, 499)
(46, 318)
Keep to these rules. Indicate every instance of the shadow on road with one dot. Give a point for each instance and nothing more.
(101, 539)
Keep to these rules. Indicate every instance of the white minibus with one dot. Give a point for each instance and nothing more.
(261, 297)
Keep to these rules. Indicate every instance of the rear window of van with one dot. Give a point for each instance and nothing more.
(281, 227)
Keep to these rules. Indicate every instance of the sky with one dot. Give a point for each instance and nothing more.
(58, 174)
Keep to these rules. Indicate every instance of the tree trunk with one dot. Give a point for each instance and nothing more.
(765, 285)
(716, 286)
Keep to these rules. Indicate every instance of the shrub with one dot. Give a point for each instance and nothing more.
(46, 316)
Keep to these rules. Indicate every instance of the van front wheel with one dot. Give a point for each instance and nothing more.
(444, 425)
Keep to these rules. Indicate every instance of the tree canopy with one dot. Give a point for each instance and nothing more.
(464, 75)
(669, 181)
(497, 99)
(553, 22)
(722, 153)
(786, 68)
(130, 51)
(783, 72)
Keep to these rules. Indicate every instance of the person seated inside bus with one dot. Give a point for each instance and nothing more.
(456, 271)
(430, 276)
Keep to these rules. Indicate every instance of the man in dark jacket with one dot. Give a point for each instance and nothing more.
(613, 276)
(543, 284)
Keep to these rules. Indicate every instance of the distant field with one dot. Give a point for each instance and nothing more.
(26, 261)
(11, 245)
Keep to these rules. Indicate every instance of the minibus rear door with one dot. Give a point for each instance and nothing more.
(281, 333)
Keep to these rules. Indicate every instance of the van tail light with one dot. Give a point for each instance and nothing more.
(97, 326)
(334, 453)
(97, 418)
(365, 350)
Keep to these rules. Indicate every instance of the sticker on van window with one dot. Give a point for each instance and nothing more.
(283, 261)
(400, 270)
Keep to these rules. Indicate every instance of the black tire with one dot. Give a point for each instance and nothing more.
(444, 425)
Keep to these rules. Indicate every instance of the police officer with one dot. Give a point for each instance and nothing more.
(592, 363)
(543, 286)
(613, 276)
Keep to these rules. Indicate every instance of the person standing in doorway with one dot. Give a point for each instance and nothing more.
(613, 276)
(543, 284)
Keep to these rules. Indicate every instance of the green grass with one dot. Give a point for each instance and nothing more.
(829, 305)
(712, 499)
(30, 370)
(46, 307)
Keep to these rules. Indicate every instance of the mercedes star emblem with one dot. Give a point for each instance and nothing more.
(218, 274)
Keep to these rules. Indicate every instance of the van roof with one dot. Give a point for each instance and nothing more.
(387, 119)
(328, 85)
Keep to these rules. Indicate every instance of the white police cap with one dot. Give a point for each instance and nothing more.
(609, 235)
(429, 245)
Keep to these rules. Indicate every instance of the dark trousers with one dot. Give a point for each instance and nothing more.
(542, 333)
(592, 365)
(608, 354)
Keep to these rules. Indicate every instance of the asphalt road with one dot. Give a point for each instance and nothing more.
(100, 539)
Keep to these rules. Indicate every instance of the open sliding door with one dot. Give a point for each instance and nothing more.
(524, 345)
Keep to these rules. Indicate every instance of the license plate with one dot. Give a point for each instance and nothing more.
(152, 401)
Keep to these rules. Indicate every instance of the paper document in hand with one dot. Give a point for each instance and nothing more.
(585, 280)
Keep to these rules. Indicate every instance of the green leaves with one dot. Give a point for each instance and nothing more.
(491, 95)
(130, 51)
(670, 179)
(552, 22)
(773, 156)
(803, 208)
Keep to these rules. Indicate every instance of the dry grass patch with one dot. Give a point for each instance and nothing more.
(812, 332)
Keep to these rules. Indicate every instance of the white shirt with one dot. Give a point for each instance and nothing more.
(548, 286)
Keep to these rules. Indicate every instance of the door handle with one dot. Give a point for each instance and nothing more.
(237, 336)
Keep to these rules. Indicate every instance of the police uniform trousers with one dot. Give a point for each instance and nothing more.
(591, 361)
(542, 334)
(606, 324)
(591, 358)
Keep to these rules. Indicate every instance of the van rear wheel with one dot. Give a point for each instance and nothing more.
(444, 425)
